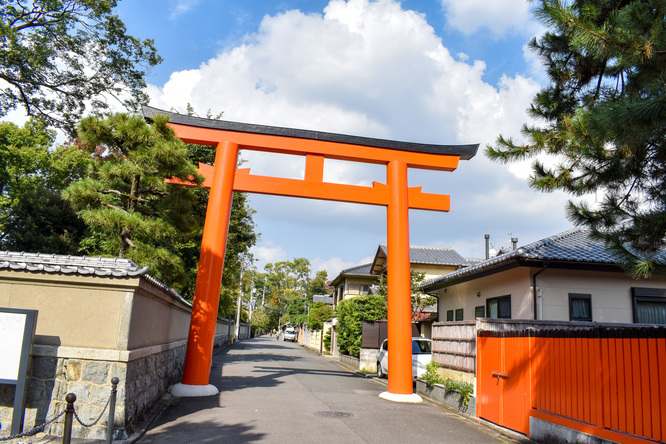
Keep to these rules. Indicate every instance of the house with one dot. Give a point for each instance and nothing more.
(565, 277)
(359, 280)
(354, 281)
(429, 260)
(363, 279)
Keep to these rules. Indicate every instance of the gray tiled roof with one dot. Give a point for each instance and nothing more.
(424, 254)
(79, 265)
(359, 270)
(321, 298)
(571, 247)
(83, 265)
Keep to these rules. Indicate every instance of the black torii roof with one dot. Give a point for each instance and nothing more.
(465, 152)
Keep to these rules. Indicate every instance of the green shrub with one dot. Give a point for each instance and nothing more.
(432, 377)
(351, 313)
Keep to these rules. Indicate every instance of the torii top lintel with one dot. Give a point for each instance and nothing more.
(317, 146)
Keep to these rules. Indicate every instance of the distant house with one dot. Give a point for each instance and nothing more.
(432, 261)
(363, 279)
(568, 276)
(354, 281)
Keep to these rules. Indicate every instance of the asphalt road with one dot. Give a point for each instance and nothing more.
(278, 392)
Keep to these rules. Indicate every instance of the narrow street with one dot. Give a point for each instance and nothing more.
(279, 392)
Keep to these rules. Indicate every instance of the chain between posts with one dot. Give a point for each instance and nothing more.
(38, 429)
(70, 413)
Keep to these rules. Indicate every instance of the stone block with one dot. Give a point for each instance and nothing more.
(44, 367)
(119, 370)
(96, 372)
(82, 390)
(35, 389)
(100, 394)
(89, 413)
(72, 369)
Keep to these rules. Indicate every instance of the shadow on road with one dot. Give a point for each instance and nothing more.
(185, 431)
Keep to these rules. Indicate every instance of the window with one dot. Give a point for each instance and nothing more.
(649, 305)
(480, 311)
(459, 314)
(580, 307)
(449, 315)
(365, 289)
(499, 308)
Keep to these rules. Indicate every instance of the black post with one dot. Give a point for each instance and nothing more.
(69, 417)
(112, 410)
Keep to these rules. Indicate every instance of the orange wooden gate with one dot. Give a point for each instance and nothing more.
(503, 392)
(606, 380)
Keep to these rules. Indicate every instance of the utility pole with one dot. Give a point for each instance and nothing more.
(238, 304)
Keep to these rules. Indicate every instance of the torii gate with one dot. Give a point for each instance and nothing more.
(224, 178)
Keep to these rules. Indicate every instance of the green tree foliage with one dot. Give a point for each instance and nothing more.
(319, 313)
(33, 216)
(351, 313)
(289, 287)
(603, 117)
(262, 320)
(419, 299)
(130, 210)
(61, 58)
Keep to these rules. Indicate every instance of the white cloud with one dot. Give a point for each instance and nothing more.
(499, 17)
(369, 69)
(180, 7)
(268, 252)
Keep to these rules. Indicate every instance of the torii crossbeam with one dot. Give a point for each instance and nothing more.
(224, 178)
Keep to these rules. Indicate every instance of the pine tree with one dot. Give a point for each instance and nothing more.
(126, 204)
(603, 116)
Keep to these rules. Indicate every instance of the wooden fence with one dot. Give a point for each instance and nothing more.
(606, 380)
(454, 345)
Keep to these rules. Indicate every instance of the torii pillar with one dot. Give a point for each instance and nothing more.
(224, 178)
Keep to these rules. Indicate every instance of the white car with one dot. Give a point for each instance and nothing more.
(290, 335)
(421, 356)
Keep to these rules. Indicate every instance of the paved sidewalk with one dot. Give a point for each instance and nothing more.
(279, 392)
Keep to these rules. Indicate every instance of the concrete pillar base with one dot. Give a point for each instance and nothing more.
(413, 398)
(193, 391)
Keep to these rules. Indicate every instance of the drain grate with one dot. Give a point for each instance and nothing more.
(333, 414)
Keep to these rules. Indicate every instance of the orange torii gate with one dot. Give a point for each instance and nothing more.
(224, 178)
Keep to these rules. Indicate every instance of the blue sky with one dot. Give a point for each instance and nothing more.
(433, 71)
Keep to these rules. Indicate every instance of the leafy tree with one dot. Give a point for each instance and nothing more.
(130, 210)
(319, 313)
(351, 313)
(60, 57)
(318, 285)
(262, 319)
(327, 340)
(419, 300)
(289, 287)
(603, 116)
(33, 216)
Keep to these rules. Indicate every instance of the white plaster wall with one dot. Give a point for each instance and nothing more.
(610, 293)
(515, 282)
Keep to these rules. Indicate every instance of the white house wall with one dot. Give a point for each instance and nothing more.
(610, 293)
(514, 282)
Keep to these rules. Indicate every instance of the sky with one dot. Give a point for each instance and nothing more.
(430, 71)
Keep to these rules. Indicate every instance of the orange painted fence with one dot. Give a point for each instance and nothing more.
(607, 380)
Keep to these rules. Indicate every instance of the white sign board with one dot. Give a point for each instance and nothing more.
(12, 327)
